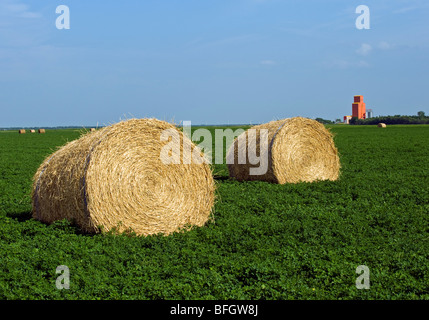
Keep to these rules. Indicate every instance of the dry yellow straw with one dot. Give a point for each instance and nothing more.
(114, 178)
(298, 149)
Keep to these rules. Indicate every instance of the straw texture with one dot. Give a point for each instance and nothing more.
(299, 149)
(114, 178)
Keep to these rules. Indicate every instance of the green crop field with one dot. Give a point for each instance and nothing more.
(267, 241)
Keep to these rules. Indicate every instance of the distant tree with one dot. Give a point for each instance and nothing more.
(396, 119)
(324, 121)
(353, 120)
(338, 121)
(421, 114)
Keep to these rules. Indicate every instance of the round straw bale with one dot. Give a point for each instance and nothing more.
(118, 178)
(21, 131)
(42, 130)
(382, 125)
(32, 131)
(297, 149)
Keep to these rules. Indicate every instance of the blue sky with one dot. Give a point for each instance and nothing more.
(209, 61)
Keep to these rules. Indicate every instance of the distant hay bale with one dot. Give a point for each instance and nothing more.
(32, 131)
(117, 178)
(92, 129)
(42, 131)
(382, 125)
(21, 131)
(297, 150)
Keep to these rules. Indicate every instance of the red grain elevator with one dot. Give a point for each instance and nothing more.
(358, 108)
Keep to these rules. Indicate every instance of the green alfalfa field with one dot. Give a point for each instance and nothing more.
(267, 241)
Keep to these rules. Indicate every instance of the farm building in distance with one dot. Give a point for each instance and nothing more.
(358, 110)
(369, 113)
(347, 119)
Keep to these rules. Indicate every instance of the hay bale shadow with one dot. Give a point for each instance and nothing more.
(20, 216)
(222, 178)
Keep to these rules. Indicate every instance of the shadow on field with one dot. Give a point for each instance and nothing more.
(64, 224)
(20, 216)
(221, 178)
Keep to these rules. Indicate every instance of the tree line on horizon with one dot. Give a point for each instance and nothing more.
(420, 118)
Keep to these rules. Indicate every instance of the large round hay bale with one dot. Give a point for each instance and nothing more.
(297, 150)
(118, 178)
(21, 131)
(42, 130)
(382, 125)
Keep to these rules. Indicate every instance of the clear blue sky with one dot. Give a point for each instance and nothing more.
(209, 61)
